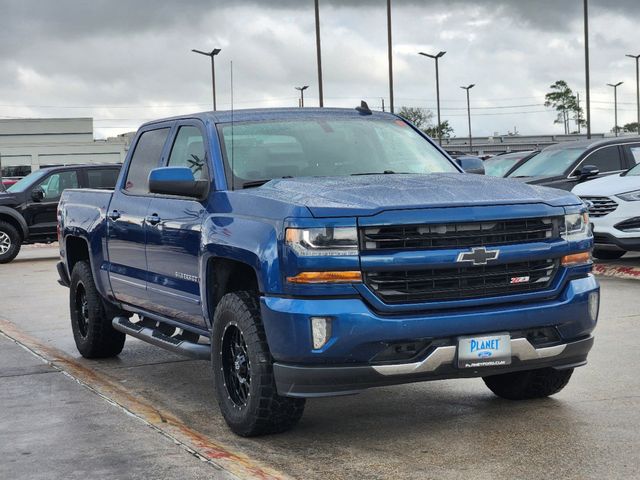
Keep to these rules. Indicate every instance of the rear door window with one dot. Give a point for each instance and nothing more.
(145, 158)
(104, 179)
(633, 153)
(607, 159)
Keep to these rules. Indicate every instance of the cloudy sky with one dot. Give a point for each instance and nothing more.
(125, 62)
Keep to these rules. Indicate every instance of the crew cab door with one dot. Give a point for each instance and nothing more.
(174, 231)
(126, 230)
(40, 211)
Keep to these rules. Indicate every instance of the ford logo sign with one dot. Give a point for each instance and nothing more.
(484, 354)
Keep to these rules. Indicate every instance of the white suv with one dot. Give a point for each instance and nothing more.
(614, 212)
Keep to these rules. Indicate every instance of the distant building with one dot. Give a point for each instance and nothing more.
(29, 144)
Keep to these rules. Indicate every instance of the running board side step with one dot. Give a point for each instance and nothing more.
(159, 339)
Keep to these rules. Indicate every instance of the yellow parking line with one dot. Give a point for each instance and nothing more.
(164, 422)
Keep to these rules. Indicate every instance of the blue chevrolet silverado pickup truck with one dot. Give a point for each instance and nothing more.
(317, 252)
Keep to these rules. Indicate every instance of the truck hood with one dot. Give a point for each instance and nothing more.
(607, 186)
(371, 194)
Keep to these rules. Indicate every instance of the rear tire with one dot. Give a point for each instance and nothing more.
(91, 324)
(10, 242)
(243, 371)
(528, 384)
(608, 254)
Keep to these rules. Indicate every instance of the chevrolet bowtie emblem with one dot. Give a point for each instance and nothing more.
(478, 256)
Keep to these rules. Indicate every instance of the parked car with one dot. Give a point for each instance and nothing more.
(566, 164)
(499, 165)
(280, 245)
(28, 207)
(8, 181)
(614, 206)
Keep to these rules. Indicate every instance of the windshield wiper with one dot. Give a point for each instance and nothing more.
(259, 183)
(384, 172)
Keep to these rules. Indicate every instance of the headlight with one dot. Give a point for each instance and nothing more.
(323, 241)
(576, 227)
(630, 196)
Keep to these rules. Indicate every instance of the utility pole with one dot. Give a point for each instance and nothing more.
(319, 55)
(436, 57)
(389, 48)
(615, 104)
(578, 111)
(586, 65)
(301, 90)
(211, 54)
(637, 57)
(467, 88)
(382, 103)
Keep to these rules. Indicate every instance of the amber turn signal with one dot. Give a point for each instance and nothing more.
(576, 258)
(326, 277)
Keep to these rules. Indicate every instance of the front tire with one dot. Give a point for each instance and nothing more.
(528, 384)
(10, 242)
(243, 371)
(93, 332)
(608, 254)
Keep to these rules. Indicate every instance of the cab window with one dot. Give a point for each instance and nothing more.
(104, 179)
(145, 158)
(607, 159)
(55, 184)
(188, 151)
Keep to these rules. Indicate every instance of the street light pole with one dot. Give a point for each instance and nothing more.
(211, 54)
(301, 90)
(319, 55)
(615, 104)
(637, 57)
(436, 57)
(390, 56)
(586, 65)
(467, 88)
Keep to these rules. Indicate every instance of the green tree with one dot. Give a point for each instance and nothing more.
(564, 101)
(631, 127)
(444, 128)
(420, 117)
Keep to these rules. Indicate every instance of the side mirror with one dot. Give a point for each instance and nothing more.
(177, 181)
(471, 165)
(586, 172)
(37, 194)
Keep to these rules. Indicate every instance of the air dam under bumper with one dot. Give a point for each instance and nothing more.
(312, 381)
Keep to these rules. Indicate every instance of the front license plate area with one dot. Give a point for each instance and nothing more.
(484, 351)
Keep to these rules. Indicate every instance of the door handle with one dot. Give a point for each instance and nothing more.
(152, 219)
(114, 215)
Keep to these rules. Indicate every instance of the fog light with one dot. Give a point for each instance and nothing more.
(320, 331)
(594, 305)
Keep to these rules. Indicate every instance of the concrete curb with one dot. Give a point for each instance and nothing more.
(617, 271)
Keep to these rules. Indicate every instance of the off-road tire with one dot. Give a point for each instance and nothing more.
(91, 324)
(608, 254)
(265, 411)
(8, 231)
(528, 384)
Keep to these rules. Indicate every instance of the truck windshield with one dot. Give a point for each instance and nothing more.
(24, 183)
(256, 152)
(549, 163)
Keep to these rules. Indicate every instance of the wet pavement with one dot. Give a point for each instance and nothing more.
(446, 429)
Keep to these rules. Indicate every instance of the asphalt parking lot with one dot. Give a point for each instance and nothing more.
(151, 414)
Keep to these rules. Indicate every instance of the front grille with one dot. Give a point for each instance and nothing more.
(601, 206)
(458, 235)
(434, 284)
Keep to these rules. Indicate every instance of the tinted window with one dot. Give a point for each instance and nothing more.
(188, 151)
(607, 159)
(104, 179)
(55, 184)
(145, 158)
(634, 151)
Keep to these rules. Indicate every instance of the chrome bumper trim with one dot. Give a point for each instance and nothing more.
(520, 348)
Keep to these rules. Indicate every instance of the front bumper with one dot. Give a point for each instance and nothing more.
(321, 381)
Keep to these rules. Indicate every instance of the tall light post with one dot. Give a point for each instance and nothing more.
(301, 90)
(467, 88)
(586, 65)
(615, 104)
(319, 55)
(390, 52)
(436, 57)
(637, 57)
(211, 54)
